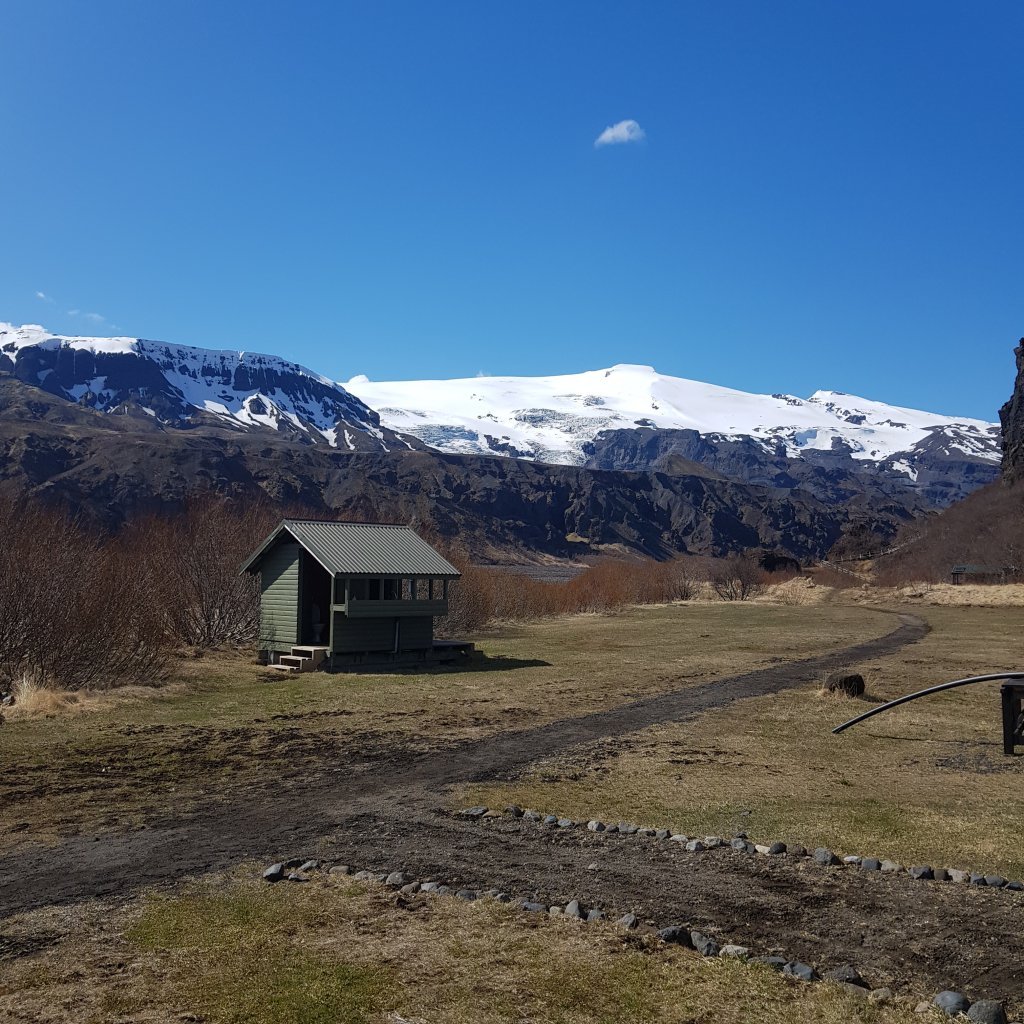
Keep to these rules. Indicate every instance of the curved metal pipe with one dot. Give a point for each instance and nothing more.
(924, 693)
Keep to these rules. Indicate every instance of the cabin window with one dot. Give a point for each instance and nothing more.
(391, 590)
(373, 590)
(407, 590)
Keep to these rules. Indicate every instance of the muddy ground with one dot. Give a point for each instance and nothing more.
(381, 808)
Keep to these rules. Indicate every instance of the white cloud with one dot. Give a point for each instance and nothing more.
(74, 312)
(44, 297)
(95, 318)
(620, 132)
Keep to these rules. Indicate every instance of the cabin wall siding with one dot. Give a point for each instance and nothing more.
(378, 635)
(279, 598)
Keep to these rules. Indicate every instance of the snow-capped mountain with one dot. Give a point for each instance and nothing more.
(180, 386)
(554, 419)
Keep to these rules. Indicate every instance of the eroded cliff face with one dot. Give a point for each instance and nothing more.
(1012, 418)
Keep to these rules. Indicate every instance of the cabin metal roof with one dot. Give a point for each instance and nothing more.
(361, 549)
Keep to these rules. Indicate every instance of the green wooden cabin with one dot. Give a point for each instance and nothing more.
(343, 594)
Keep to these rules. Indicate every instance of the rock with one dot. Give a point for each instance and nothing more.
(890, 867)
(534, 908)
(960, 877)
(870, 864)
(396, 880)
(776, 963)
(309, 865)
(713, 842)
(443, 890)
(941, 875)
(987, 1011)
(295, 862)
(977, 879)
(596, 915)
(761, 848)
(750, 848)
(922, 872)
(736, 952)
(847, 974)
(514, 810)
(365, 876)
(880, 996)
(776, 849)
(995, 881)
(430, 886)
(274, 873)
(742, 835)
(566, 823)
(951, 1003)
(340, 869)
(627, 921)
(853, 990)
(531, 816)
(503, 897)
(647, 833)
(678, 837)
(410, 888)
(492, 813)
(595, 826)
(466, 894)
(294, 876)
(1015, 886)
(804, 972)
(849, 683)
(626, 829)
(550, 819)
(695, 846)
(611, 828)
(572, 909)
(738, 843)
(825, 857)
(556, 912)
(662, 833)
(473, 812)
(593, 866)
(798, 851)
(677, 934)
(704, 944)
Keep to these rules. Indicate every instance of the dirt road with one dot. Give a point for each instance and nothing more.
(298, 811)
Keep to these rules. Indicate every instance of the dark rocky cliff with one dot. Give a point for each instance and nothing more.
(1012, 418)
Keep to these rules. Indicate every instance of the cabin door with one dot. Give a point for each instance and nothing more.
(314, 603)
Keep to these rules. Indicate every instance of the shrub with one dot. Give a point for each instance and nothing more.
(738, 578)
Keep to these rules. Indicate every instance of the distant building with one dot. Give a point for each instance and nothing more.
(978, 574)
(337, 595)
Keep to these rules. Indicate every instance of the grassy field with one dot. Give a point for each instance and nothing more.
(232, 950)
(222, 720)
(926, 783)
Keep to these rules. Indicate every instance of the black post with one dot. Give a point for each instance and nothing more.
(1012, 697)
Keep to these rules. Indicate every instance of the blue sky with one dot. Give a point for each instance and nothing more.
(825, 195)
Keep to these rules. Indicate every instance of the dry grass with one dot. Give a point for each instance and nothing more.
(224, 721)
(234, 950)
(927, 783)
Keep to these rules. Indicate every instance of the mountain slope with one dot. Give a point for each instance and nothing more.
(180, 387)
(606, 418)
(112, 467)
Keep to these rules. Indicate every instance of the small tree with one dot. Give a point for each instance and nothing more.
(738, 578)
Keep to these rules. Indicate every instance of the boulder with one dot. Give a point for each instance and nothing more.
(846, 974)
(951, 1003)
(776, 849)
(851, 684)
(596, 915)
(572, 909)
(922, 872)
(396, 880)
(473, 812)
(704, 944)
(514, 810)
(595, 826)
(825, 857)
(870, 864)
(676, 934)
(803, 972)
(776, 963)
(735, 952)
(890, 867)
(987, 1011)
(958, 876)
(995, 881)
(628, 921)
(274, 873)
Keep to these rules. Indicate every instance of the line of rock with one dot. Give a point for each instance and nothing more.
(985, 1011)
(741, 842)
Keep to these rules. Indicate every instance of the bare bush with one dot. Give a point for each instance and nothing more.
(191, 560)
(74, 612)
(738, 578)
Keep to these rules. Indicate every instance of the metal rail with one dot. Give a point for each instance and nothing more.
(924, 693)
